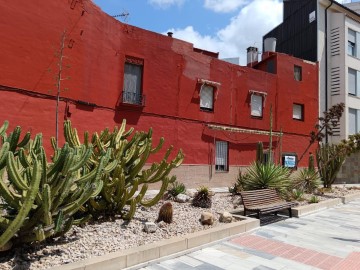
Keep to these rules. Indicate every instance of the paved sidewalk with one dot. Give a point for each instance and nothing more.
(329, 239)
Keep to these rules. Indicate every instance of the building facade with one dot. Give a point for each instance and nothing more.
(214, 110)
(328, 32)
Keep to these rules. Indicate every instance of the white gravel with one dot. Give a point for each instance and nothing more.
(105, 237)
(101, 238)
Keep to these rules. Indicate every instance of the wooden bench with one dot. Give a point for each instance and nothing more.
(263, 201)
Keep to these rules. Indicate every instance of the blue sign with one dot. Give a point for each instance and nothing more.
(290, 161)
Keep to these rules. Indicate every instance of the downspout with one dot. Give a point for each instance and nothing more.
(326, 66)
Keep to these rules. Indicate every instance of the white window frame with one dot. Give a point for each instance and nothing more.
(221, 156)
(205, 90)
(256, 108)
(353, 126)
(352, 43)
(296, 108)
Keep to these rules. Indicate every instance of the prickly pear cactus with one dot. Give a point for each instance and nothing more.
(125, 174)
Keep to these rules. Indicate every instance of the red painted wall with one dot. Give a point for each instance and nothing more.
(95, 49)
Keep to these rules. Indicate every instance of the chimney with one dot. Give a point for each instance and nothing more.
(252, 55)
(270, 44)
(170, 34)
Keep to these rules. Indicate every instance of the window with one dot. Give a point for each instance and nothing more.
(221, 159)
(207, 97)
(353, 121)
(297, 73)
(351, 42)
(353, 82)
(298, 112)
(256, 105)
(133, 81)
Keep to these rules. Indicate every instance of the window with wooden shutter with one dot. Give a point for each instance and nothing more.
(298, 111)
(256, 105)
(207, 97)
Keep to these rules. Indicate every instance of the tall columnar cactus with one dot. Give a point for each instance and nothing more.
(44, 199)
(329, 161)
(311, 162)
(126, 173)
(259, 152)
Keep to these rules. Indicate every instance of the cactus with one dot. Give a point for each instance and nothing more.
(329, 161)
(43, 200)
(125, 172)
(259, 152)
(311, 162)
(202, 198)
(165, 213)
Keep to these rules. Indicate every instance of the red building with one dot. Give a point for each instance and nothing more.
(214, 110)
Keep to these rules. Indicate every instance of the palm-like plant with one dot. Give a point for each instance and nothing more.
(268, 175)
(307, 180)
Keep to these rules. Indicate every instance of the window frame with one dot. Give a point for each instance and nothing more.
(222, 167)
(356, 129)
(351, 43)
(302, 112)
(297, 70)
(129, 97)
(354, 93)
(202, 90)
(251, 105)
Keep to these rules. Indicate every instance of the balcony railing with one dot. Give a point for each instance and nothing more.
(133, 98)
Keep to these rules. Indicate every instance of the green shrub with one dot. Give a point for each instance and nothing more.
(202, 198)
(297, 194)
(314, 199)
(176, 188)
(268, 175)
(307, 180)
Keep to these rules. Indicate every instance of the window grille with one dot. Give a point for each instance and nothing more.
(132, 83)
(221, 159)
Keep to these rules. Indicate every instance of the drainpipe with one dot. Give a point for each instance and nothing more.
(326, 66)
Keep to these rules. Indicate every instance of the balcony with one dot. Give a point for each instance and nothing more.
(133, 98)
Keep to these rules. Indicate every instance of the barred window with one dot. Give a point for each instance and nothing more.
(221, 159)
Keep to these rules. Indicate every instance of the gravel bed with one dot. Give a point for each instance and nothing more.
(100, 238)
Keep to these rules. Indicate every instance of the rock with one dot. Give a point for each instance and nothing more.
(225, 217)
(190, 193)
(182, 198)
(150, 227)
(237, 201)
(207, 218)
(161, 224)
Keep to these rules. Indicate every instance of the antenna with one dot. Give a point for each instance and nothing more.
(124, 15)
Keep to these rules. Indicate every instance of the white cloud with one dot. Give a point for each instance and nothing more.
(244, 30)
(224, 5)
(166, 3)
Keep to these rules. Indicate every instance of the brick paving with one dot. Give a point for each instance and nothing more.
(329, 240)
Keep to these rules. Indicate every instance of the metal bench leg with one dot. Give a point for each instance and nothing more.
(258, 214)
(290, 213)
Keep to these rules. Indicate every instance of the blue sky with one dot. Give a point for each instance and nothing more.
(224, 26)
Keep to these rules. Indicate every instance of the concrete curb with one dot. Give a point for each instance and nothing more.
(137, 255)
(314, 207)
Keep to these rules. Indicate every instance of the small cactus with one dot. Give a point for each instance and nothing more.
(165, 213)
(202, 198)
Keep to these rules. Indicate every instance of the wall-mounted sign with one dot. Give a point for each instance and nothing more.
(290, 161)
